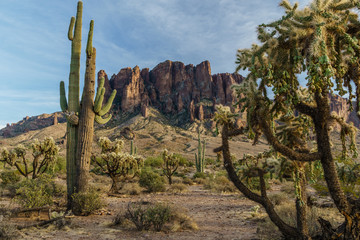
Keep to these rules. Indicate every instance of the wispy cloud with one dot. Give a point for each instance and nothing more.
(35, 52)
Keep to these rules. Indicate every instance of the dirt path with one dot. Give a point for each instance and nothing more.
(218, 216)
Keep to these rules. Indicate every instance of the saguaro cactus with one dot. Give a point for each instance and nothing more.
(81, 116)
(200, 156)
(133, 149)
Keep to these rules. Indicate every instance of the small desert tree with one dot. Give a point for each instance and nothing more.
(118, 165)
(44, 155)
(321, 40)
(171, 164)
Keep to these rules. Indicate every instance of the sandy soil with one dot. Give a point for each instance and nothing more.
(218, 216)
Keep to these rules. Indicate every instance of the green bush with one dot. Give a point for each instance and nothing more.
(59, 166)
(155, 162)
(37, 192)
(158, 215)
(9, 177)
(137, 213)
(183, 161)
(151, 180)
(199, 175)
(85, 203)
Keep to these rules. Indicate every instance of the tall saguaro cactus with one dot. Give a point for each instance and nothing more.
(81, 115)
(200, 156)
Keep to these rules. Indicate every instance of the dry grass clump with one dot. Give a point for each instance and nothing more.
(177, 188)
(287, 212)
(176, 180)
(188, 181)
(155, 216)
(131, 189)
(220, 184)
(279, 198)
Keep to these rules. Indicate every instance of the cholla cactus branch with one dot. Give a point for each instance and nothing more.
(44, 155)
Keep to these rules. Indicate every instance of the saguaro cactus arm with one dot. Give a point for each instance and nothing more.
(89, 47)
(71, 28)
(63, 101)
(108, 105)
(75, 34)
(101, 120)
(99, 98)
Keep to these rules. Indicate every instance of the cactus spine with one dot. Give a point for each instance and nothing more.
(200, 156)
(81, 116)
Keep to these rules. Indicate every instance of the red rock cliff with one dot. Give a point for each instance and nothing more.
(173, 88)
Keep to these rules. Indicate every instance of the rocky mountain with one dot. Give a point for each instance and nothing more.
(32, 123)
(173, 88)
(186, 93)
(340, 106)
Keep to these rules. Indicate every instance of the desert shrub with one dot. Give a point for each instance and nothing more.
(151, 180)
(9, 177)
(85, 203)
(183, 161)
(137, 214)
(219, 184)
(187, 181)
(119, 219)
(178, 187)
(147, 215)
(177, 179)
(287, 212)
(210, 161)
(158, 215)
(155, 162)
(59, 166)
(181, 221)
(131, 189)
(37, 192)
(278, 198)
(199, 175)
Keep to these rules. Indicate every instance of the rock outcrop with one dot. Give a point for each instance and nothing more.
(186, 92)
(173, 88)
(32, 123)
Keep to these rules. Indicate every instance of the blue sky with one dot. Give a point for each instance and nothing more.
(35, 51)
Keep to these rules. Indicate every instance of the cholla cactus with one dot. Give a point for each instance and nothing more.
(44, 155)
(113, 162)
(322, 40)
(171, 164)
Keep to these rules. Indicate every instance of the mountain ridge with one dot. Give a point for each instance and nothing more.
(184, 93)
